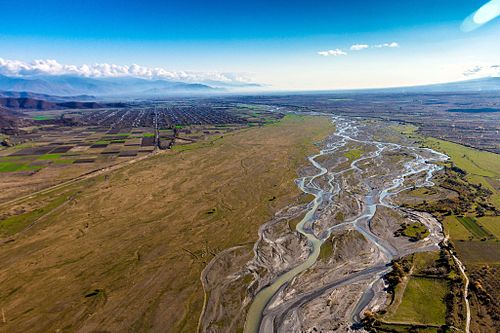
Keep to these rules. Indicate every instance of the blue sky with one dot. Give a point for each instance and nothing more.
(273, 42)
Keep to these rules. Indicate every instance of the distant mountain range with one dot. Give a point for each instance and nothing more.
(66, 85)
(59, 88)
(25, 103)
(474, 85)
(482, 84)
(52, 98)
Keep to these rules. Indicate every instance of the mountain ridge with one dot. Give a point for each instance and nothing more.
(67, 85)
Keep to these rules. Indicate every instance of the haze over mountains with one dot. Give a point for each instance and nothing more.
(66, 85)
(472, 85)
(481, 84)
(80, 88)
(24, 103)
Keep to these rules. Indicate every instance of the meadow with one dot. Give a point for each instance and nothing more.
(422, 303)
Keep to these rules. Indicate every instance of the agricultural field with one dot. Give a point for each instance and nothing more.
(482, 167)
(455, 229)
(52, 155)
(479, 253)
(474, 228)
(482, 171)
(422, 302)
(491, 224)
(63, 144)
(425, 295)
(466, 200)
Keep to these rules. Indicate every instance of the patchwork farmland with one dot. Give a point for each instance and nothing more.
(63, 144)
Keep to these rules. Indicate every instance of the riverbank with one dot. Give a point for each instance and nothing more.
(353, 210)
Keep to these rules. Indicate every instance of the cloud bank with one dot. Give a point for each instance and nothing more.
(483, 71)
(357, 47)
(19, 68)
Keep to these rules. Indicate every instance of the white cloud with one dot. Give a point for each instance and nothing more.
(356, 47)
(52, 67)
(334, 53)
(390, 45)
(359, 47)
(483, 71)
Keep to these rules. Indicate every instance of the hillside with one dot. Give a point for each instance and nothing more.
(37, 104)
(66, 85)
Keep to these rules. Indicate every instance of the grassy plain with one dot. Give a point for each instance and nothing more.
(423, 294)
(141, 235)
(455, 229)
(422, 303)
(17, 223)
(476, 162)
(479, 253)
(353, 154)
(482, 167)
(475, 237)
(490, 223)
(13, 166)
(471, 224)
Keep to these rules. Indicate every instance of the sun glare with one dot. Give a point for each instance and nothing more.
(484, 14)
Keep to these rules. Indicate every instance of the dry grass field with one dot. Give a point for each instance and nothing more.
(124, 252)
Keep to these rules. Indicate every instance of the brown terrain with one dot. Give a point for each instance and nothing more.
(143, 218)
(124, 250)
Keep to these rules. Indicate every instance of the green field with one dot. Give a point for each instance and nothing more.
(326, 250)
(482, 167)
(50, 157)
(391, 328)
(406, 129)
(455, 229)
(415, 230)
(423, 260)
(13, 166)
(471, 224)
(491, 223)
(42, 117)
(473, 161)
(422, 303)
(353, 154)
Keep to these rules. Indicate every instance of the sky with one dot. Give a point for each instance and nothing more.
(283, 45)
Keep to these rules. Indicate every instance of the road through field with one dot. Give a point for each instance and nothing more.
(275, 308)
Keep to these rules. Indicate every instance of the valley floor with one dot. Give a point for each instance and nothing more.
(123, 251)
(215, 236)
